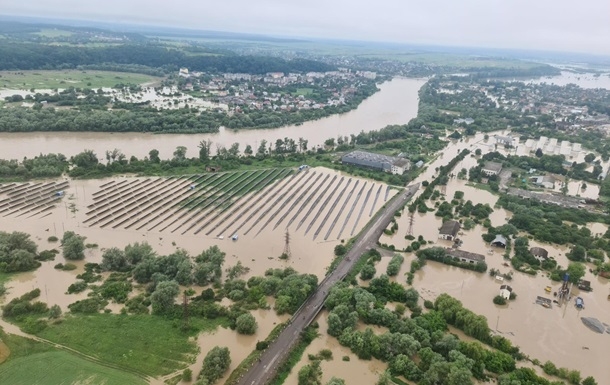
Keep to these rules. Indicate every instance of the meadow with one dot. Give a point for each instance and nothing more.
(69, 78)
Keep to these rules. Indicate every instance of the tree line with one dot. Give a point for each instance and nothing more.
(32, 56)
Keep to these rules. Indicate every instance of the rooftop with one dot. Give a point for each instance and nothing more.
(369, 156)
(499, 239)
(539, 251)
(465, 254)
(450, 228)
(493, 166)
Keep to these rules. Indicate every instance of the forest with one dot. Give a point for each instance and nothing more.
(31, 56)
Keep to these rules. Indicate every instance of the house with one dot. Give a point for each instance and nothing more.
(449, 230)
(539, 253)
(499, 241)
(545, 181)
(380, 162)
(399, 166)
(505, 291)
(492, 168)
(465, 256)
(466, 121)
(419, 163)
(505, 140)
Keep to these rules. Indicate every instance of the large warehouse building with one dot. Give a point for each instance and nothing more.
(377, 162)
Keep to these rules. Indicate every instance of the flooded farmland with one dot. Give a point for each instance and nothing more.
(319, 207)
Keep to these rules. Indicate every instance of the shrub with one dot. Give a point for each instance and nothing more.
(52, 238)
(499, 300)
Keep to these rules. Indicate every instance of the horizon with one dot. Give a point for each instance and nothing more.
(547, 26)
(147, 29)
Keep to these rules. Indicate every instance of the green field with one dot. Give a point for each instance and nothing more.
(31, 362)
(143, 344)
(59, 367)
(53, 32)
(69, 78)
(303, 91)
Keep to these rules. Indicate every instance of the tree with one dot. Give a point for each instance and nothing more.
(215, 364)
(589, 381)
(539, 153)
(578, 253)
(246, 324)
(162, 299)
(85, 159)
(262, 148)
(367, 272)
(153, 155)
(310, 374)
(336, 381)
(576, 271)
(180, 153)
(54, 312)
(477, 152)
(248, 150)
(205, 148)
(73, 246)
(590, 157)
(385, 378)
(114, 259)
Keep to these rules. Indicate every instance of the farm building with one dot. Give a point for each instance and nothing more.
(505, 291)
(465, 256)
(499, 241)
(545, 181)
(539, 253)
(505, 140)
(492, 168)
(377, 162)
(449, 230)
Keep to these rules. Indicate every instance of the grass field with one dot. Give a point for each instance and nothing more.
(31, 362)
(59, 367)
(69, 78)
(141, 343)
(53, 32)
(303, 91)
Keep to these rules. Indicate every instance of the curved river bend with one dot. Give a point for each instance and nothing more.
(396, 103)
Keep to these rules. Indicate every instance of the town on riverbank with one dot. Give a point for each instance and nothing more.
(193, 258)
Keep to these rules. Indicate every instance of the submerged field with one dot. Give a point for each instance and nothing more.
(69, 78)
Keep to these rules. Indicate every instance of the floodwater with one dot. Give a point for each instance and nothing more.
(240, 346)
(354, 371)
(326, 210)
(395, 103)
(585, 80)
(546, 334)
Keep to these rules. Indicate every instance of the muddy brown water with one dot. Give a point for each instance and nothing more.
(258, 250)
(541, 333)
(395, 103)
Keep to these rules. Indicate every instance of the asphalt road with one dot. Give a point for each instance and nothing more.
(264, 370)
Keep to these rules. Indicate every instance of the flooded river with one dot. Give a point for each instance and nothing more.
(395, 103)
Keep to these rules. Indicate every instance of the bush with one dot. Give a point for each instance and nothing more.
(246, 324)
(326, 354)
(499, 300)
(368, 271)
(428, 304)
(187, 375)
(52, 238)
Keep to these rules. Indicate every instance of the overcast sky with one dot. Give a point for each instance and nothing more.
(558, 25)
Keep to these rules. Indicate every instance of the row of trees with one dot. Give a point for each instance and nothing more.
(29, 56)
